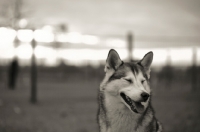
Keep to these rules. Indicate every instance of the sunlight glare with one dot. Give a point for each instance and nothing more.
(44, 52)
(62, 37)
(181, 56)
(43, 36)
(88, 54)
(90, 39)
(74, 37)
(24, 51)
(7, 35)
(25, 35)
(118, 43)
(47, 54)
(7, 53)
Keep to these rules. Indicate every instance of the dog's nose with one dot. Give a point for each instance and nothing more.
(145, 96)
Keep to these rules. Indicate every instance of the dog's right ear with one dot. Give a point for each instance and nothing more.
(113, 61)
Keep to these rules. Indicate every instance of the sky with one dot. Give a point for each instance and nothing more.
(157, 25)
(117, 17)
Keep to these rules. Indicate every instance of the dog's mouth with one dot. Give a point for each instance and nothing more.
(136, 107)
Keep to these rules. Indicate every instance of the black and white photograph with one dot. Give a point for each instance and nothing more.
(99, 66)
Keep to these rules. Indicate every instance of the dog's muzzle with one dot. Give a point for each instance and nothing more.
(136, 107)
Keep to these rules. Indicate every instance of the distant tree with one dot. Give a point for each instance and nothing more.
(11, 12)
(63, 27)
(5, 13)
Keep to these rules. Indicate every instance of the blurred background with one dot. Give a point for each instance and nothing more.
(53, 52)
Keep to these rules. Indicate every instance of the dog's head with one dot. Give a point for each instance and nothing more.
(128, 83)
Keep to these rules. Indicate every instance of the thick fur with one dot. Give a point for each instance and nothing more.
(132, 79)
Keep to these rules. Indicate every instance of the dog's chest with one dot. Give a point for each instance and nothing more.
(121, 123)
(120, 118)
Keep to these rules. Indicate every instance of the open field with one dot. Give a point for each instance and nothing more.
(68, 103)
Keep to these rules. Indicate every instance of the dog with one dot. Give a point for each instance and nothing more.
(124, 96)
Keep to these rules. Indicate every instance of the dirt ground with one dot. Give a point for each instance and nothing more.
(71, 106)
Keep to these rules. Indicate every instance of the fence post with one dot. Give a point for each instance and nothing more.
(13, 68)
(33, 75)
(194, 69)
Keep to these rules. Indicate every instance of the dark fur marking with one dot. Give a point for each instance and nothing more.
(118, 73)
(157, 126)
(152, 125)
(134, 68)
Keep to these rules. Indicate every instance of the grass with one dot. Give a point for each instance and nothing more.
(69, 104)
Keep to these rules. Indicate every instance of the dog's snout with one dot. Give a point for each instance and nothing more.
(145, 96)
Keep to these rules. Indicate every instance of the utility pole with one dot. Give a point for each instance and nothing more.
(130, 46)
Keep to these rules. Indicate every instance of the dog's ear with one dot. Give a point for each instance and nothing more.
(113, 61)
(146, 62)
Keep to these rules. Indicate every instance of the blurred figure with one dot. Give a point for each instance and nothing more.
(13, 72)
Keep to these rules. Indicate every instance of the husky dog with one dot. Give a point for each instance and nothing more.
(124, 96)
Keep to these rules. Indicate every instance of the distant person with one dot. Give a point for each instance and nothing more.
(13, 72)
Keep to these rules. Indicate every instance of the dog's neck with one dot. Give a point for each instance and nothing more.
(120, 118)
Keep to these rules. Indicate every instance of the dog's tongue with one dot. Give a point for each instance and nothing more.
(139, 107)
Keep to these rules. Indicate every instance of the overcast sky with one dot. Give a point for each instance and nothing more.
(117, 17)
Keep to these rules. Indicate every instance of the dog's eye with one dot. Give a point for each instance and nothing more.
(143, 81)
(128, 80)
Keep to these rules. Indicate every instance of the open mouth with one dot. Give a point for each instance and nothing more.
(136, 107)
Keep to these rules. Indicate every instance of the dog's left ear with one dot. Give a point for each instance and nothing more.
(146, 63)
